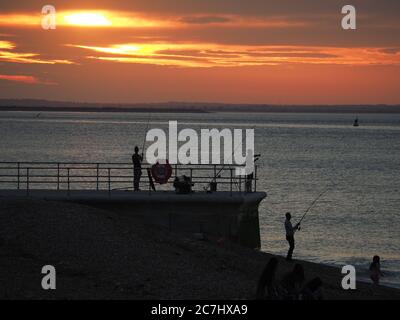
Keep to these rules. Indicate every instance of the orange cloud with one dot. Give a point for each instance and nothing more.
(6, 45)
(18, 20)
(216, 55)
(120, 19)
(20, 78)
(86, 18)
(6, 54)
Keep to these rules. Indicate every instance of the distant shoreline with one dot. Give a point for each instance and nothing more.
(332, 110)
(90, 109)
(188, 107)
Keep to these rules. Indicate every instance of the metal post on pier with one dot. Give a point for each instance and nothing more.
(68, 179)
(27, 181)
(255, 178)
(58, 176)
(148, 174)
(231, 171)
(18, 174)
(97, 176)
(109, 181)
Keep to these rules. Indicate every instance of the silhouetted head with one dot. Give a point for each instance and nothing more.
(376, 259)
(136, 149)
(288, 215)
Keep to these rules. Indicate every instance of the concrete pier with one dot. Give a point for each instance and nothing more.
(229, 215)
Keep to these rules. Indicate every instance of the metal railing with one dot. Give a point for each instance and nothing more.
(115, 176)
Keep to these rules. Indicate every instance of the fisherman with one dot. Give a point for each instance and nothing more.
(290, 230)
(137, 168)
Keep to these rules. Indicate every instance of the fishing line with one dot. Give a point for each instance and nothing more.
(313, 203)
(145, 132)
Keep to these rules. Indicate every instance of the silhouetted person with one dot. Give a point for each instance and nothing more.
(267, 281)
(375, 270)
(250, 176)
(290, 230)
(249, 182)
(292, 282)
(312, 290)
(137, 168)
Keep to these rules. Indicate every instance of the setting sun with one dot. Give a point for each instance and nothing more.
(87, 19)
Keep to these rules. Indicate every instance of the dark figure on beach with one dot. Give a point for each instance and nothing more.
(375, 270)
(137, 168)
(312, 290)
(290, 230)
(267, 286)
(291, 283)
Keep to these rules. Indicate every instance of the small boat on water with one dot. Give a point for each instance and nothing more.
(356, 124)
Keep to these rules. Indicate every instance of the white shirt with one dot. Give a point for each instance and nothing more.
(289, 228)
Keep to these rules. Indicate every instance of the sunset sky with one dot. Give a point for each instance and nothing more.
(233, 51)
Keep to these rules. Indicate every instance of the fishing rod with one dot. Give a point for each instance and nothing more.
(147, 127)
(317, 198)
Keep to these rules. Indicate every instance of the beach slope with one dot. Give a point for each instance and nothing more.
(100, 255)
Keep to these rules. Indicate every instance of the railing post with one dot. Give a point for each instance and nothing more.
(255, 178)
(148, 173)
(18, 174)
(27, 181)
(231, 170)
(68, 180)
(215, 173)
(97, 177)
(58, 176)
(109, 181)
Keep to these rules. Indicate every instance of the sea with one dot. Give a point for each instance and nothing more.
(302, 154)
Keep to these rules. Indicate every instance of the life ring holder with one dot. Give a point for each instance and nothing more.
(161, 172)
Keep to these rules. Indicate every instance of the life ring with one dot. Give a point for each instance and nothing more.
(161, 172)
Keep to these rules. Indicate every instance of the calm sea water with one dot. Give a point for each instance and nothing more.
(302, 154)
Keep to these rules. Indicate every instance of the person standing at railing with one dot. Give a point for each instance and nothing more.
(250, 177)
(137, 168)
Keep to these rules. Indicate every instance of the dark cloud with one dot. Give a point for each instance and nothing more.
(391, 50)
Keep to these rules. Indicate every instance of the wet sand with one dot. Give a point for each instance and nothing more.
(100, 255)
